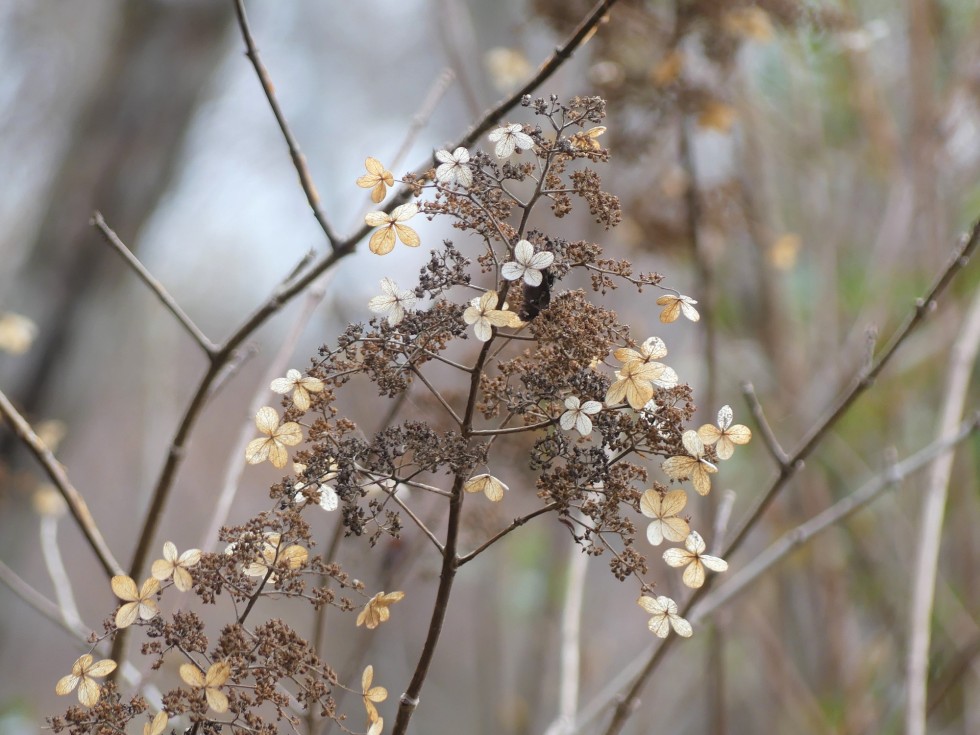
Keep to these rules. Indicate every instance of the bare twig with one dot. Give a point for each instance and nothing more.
(418, 521)
(514, 429)
(451, 33)
(154, 285)
(299, 160)
(435, 392)
(41, 604)
(409, 700)
(76, 504)
(961, 362)
(961, 663)
(722, 517)
(515, 524)
(765, 430)
(865, 378)
(60, 580)
(578, 37)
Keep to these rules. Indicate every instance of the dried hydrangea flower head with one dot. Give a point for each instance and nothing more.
(376, 179)
(300, 385)
(694, 560)
(663, 508)
(577, 415)
(527, 264)
(376, 610)
(83, 674)
(693, 465)
(675, 305)
(391, 226)
(453, 169)
(209, 683)
(484, 315)
(371, 695)
(177, 566)
(278, 437)
(508, 139)
(139, 603)
(665, 616)
(724, 436)
(392, 302)
(489, 485)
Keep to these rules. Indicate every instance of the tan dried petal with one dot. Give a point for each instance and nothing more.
(157, 725)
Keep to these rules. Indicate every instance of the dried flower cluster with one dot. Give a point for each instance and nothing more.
(506, 358)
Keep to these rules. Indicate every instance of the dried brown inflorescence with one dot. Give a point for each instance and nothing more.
(513, 371)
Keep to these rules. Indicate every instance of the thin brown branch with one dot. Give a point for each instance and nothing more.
(961, 664)
(515, 524)
(277, 367)
(318, 638)
(438, 396)
(56, 473)
(765, 430)
(416, 520)
(513, 429)
(154, 285)
(299, 160)
(409, 701)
